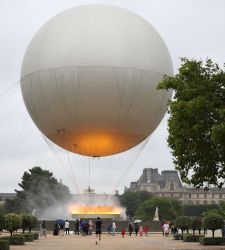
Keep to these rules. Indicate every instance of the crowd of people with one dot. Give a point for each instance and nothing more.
(86, 227)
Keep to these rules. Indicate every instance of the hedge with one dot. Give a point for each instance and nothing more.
(192, 238)
(4, 244)
(212, 241)
(28, 237)
(15, 239)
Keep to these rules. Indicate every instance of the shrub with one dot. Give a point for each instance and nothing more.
(192, 238)
(213, 222)
(183, 223)
(4, 245)
(28, 237)
(212, 241)
(12, 222)
(15, 240)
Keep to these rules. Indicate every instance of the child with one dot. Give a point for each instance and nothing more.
(123, 232)
(140, 231)
(146, 230)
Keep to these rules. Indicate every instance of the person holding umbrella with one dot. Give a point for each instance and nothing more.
(136, 226)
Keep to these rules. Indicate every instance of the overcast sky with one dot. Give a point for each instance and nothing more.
(190, 28)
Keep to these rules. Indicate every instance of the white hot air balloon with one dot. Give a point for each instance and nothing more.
(89, 79)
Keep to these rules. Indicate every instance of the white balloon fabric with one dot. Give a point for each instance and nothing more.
(89, 79)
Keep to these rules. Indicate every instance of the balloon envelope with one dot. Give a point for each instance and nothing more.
(89, 79)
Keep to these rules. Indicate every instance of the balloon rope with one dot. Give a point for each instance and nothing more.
(73, 175)
(60, 163)
(131, 164)
(10, 88)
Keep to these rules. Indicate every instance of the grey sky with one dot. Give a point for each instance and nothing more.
(190, 28)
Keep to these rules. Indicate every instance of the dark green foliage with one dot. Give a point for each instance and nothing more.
(219, 210)
(26, 221)
(28, 237)
(15, 240)
(213, 222)
(169, 208)
(29, 221)
(191, 238)
(2, 221)
(2, 209)
(34, 222)
(197, 210)
(11, 206)
(183, 223)
(40, 190)
(4, 244)
(197, 122)
(132, 200)
(12, 222)
(212, 241)
(195, 223)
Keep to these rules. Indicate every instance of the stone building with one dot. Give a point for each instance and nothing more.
(168, 184)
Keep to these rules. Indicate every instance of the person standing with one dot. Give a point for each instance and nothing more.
(77, 227)
(123, 232)
(166, 228)
(67, 227)
(140, 231)
(136, 228)
(130, 228)
(113, 228)
(98, 228)
(43, 227)
(90, 227)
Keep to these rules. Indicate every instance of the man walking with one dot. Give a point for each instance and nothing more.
(98, 228)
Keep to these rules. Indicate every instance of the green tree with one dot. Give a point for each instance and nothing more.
(11, 206)
(197, 122)
(197, 209)
(39, 191)
(12, 222)
(2, 221)
(132, 200)
(183, 223)
(169, 208)
(196, 223)
(26, 221)
(219, 210)
(34, 222)
(213, 222)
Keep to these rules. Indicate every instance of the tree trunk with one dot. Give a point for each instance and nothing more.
(23, 230)
(30, 230)
(187, 231)
(193, 232)
(182, 230)
(11, 233)
(199, 230)
(213, 233)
